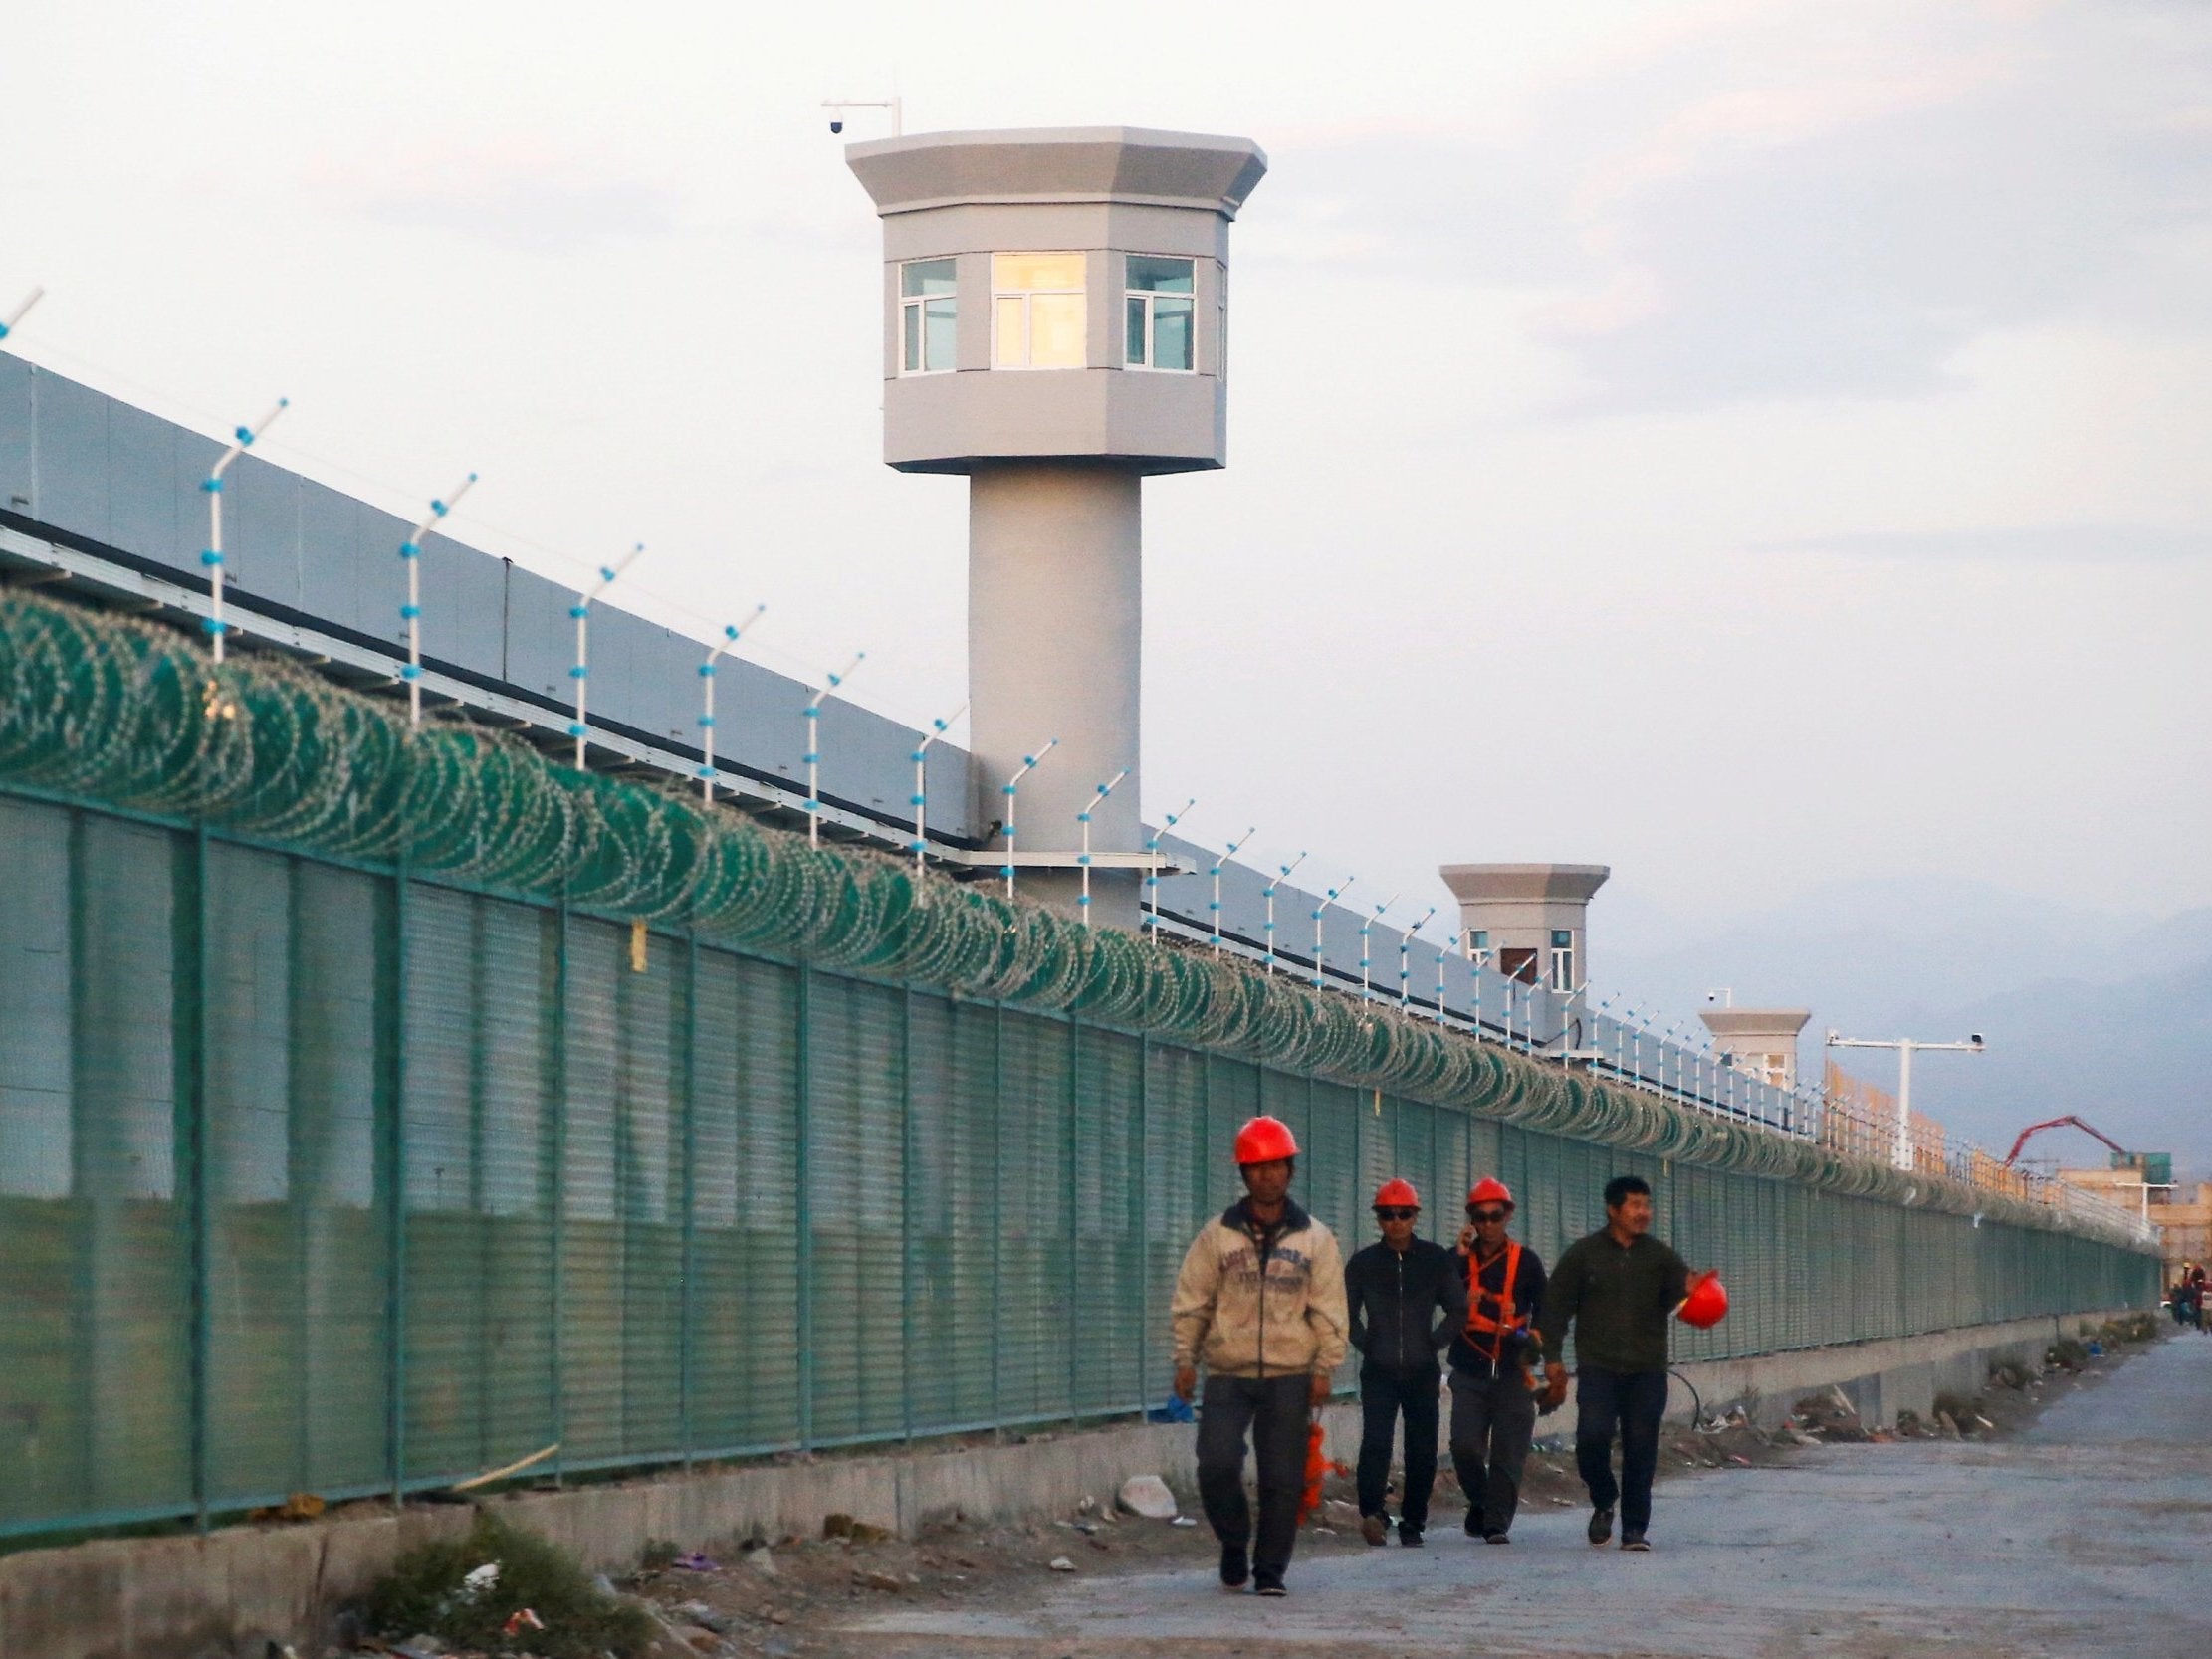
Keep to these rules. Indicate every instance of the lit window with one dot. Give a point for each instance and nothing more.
(1161, 302)
(1036, 308)
(928, 315)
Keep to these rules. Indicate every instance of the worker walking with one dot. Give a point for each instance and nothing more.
(1614, 1289)
(1261, 1302)
(1493, 1393)
(1408, 1297)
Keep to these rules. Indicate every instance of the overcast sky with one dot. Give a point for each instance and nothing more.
(1752, 444)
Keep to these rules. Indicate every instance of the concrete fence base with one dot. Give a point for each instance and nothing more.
(233, 1591)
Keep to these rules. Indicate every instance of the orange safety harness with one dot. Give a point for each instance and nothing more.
(1492, 1316)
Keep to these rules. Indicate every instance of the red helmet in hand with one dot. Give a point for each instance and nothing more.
(1706, 1304)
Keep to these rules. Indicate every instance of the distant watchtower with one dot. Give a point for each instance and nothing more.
(1532, 919)
(1055, 323)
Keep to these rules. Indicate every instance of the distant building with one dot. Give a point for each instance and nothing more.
(1761, 1041)
(2184, 1223)
(1529, 921)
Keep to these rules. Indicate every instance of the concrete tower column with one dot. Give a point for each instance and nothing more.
(1055, 650)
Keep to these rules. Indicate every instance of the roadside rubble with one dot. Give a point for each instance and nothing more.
(794, 1598)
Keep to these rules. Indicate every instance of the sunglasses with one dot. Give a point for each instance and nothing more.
(1381, 1214)
(1486, 1215)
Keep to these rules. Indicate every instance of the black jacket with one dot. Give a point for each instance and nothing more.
(1404, 1308)
(1528, 1296)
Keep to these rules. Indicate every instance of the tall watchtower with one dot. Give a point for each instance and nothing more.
(1056, 327)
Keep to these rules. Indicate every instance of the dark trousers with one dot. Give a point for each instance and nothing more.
(1385, 1396)
(1276, 1412)
(1631, 1403)
(1493, 1418)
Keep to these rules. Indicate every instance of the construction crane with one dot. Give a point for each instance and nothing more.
(2068, 1122)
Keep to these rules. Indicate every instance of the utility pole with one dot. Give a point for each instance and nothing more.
(1905, 1047)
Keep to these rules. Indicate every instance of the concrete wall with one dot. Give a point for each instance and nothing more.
(231, 1591)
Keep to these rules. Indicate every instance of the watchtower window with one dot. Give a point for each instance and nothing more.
(928, 315)
(1161, 300)
(1036, 304)
(1562, 960)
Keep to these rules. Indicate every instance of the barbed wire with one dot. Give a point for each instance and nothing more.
(137, 714)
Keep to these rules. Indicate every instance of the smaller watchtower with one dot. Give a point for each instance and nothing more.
(1532, 919)
(1761, 1041)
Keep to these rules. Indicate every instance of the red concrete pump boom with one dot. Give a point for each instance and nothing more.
(2068, 1122)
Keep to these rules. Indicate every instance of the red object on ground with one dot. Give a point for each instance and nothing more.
(1317, 1468)
(1265, 1141)
(1707, 1303)
(1490, 1190)
(1397, 1194)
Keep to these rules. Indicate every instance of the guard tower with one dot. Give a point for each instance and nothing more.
(1055, 324)
(1531, 917)
(1761, 1041)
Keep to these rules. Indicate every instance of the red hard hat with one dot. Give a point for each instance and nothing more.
(1265, 1141)
(1707, 1303)
(1490, 1190)
(1397, 1194)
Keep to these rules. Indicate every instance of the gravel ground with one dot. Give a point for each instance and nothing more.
(2088, 1534)
(2074, 1518)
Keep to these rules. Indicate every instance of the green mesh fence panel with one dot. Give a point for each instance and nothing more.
(353, 1139)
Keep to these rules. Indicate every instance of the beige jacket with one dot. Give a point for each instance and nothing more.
(1242, 1322)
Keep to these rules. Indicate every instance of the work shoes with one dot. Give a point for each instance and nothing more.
(1268, 1585)
(1495, 1537)
(1375, 1528)
(1633, 1541)
(1601, 1524)
(1475, 1523)
(1409, 1534)
(1234, 1567)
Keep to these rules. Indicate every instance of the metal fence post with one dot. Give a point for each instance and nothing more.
(395, 1195)
(1073, 1198)
(559, 1369)
(802, 1089)
(906, 1211)
(1137, 1231)
(686, 1338)
(191, 991)
(997, 1207)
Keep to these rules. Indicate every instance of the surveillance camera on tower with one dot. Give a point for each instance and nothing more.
(836, 127)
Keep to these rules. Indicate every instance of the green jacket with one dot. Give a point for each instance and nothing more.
(1616, 1298)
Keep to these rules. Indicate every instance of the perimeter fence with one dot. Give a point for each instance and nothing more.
(378, 1106)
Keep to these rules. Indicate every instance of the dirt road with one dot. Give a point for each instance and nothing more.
(2091, 1533)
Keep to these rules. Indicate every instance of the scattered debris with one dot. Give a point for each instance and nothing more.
(763, 1562)
(696, 1562)
(300, 1506)
(1148, 1495)
(1061, 1564)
